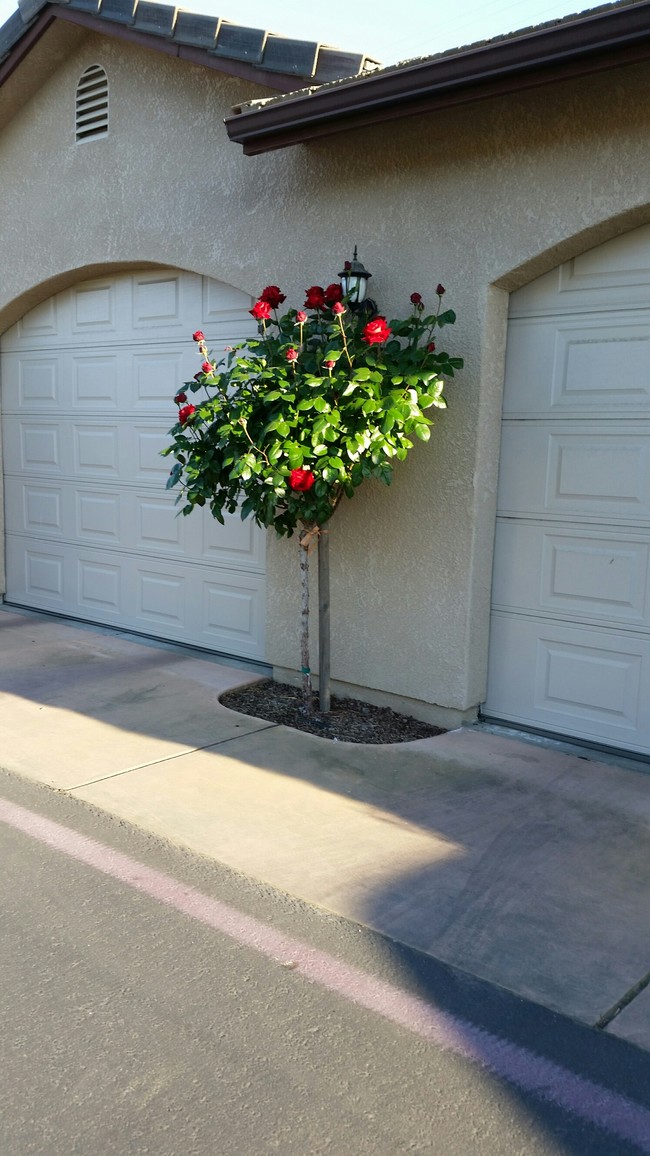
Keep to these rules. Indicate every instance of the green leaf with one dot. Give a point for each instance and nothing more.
(446, 318)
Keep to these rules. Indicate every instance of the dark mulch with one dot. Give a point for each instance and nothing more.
(349, 720)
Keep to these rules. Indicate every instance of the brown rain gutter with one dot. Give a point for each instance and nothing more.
(577, 47)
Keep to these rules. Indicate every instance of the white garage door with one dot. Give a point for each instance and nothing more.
(570, 634)
(88, 380)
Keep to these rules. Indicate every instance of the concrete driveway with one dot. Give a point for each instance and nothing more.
(518, 863)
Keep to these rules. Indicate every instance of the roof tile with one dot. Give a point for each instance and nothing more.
(240, 43)
(155, 18)
(10, 33)
(190, 28)
(121, 11)
(295, 57)
(333, 64)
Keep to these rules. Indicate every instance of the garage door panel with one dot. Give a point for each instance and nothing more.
(88, 384)
(221, 302)
(578, 366)
(237, 543)
(596, 470)
(590, 683)
(580, 574)
(233, 613)
(611, 276)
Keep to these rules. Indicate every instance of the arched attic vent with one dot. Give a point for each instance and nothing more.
(91, 108)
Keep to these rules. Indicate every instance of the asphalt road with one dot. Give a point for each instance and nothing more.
(133, 1026)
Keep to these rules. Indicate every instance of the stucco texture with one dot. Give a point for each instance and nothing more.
(482, 198)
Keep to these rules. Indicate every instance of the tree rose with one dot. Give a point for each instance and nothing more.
(272, 296)
(376, 331)
(198, 336)
(315, 297)
(185, 413)
(301, 480)
(261, 310)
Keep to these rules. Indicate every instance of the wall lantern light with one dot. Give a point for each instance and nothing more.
(354, 283)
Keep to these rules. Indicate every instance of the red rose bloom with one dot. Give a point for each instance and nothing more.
(207, 367)
(261, 310)
(291, 354)
(301, 480)
(301, 317)
(376, 331)
(338, 307)
(272, 296)
(440, 290)
(333, 293)
(315, 297)
(180, 398)
(185, 413)
(416, 298)
(198, 336)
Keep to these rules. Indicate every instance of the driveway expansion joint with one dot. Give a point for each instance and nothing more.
(630, 995)
(168, 758)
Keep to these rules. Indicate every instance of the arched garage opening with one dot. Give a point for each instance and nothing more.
(570, 619)
(88, 378)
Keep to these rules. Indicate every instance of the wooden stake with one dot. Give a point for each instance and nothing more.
(324, 620)
(303, 542)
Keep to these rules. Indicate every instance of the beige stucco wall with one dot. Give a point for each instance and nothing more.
(482, 198)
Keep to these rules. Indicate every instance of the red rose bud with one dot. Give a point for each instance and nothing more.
(329, 364)
(207, 367)
(315, 297)
(180, 398)
(301, 317)
(376, 331)
(185, 413)
(291, 355)
(198, 336)
(338, 307)
(431, 347)
(272, 296)
(261, 310)
(301, 480)
(198, 376)
(416, 298)
(440, 290)
(333, 293)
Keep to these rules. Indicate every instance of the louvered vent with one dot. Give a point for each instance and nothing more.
(92, 104)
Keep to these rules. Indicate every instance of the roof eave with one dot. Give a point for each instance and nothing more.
(576, 48)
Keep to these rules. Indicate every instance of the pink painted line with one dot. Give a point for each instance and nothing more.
(522, 1068)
